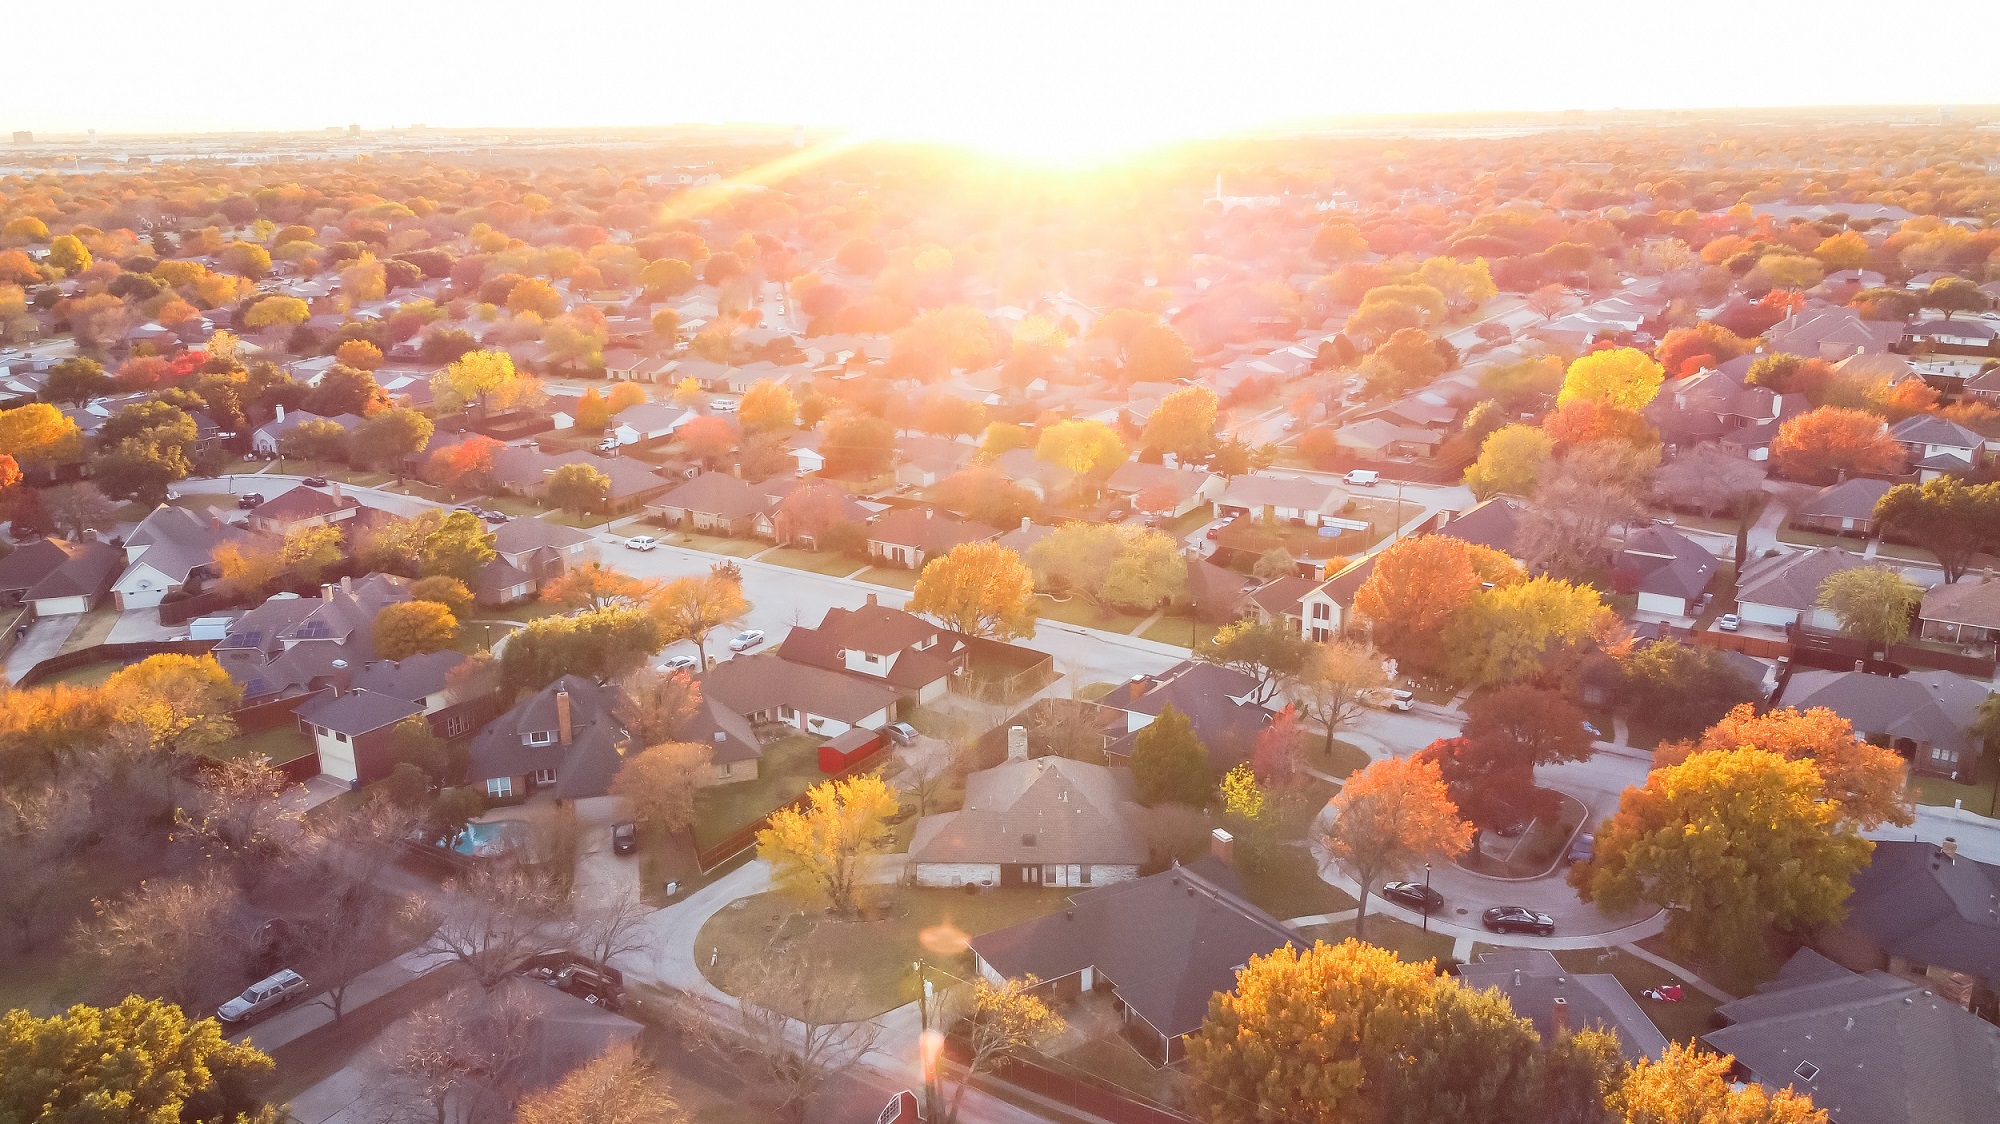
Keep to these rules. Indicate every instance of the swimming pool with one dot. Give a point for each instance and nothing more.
(483, 839)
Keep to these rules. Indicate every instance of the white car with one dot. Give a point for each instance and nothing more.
(723, 405)
(272, 991)
(747, 640)
(679, 663)
(1393, 699)
(641, 542)
(1729, 622)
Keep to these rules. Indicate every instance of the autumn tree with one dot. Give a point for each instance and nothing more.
(408, 628)
(980, 589)
(1335, 683)
(1831, 440)
(143, 1059)
(1183, 424)
(822, 851)
(616, 1087)
(768, 406)
(1509, 731)
(76, 508)
(1418, 583)
(39, 436)
(594, 585)
(658, 783)
(1873, 603)
(183, 703)
(1682, 689)
(1868, 783)
(593, 414)
(467, 464)
(314, 440)
(75, 380)
(1951, 295)
(1944, 515)
(601, 644)
(692, 607)
(579, 488)
(1393, 815)
(387, 439)
(1729, 844)
(1624, 377)
(1084, 447)
(1510, 461)
(652, 704)
(1407, 360)
(473, 378)
(1683, 351)
(1844, 250)
(999, 1021)
(1689, 1085)
(1271, 653)
(1710, 478)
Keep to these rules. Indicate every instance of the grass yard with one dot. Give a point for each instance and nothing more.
(790, 766)
(1181, 526)
(1974, 797)
(1531, 855)
(665, 858)
(1680, 1022)
(1908, 553)
(895, 577)
(1797, 537)
(829, 562)
(1386, 514)
(313, 1057)
(1179, 630)
(89, 675)
(355, 476)
(520, 614)
(1343, 761)
(716, 544)
(92, 630)
(1407, 941)
(1081, 613)
(1289, 886)
(279, 743)
(878, 954)
(528, 509)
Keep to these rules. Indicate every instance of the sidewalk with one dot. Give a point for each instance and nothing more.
(310, 1014)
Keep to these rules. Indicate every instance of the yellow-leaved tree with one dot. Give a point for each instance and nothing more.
(980, 589)
(182, 702)
(821, 852)
(1622, 377)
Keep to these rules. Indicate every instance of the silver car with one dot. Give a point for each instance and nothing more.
(265, 994)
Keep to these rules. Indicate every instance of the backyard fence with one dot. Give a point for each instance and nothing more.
(104, 653)
(1066, 1084)
(743, 838)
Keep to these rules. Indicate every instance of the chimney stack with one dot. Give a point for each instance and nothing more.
(1950, 848)
(1861, 665)
(872, 601)
(336, 490)
(1017, 743)
(326, 591)
(1026, 522)
(281, 413)
(564, 731)
(1138, 687)
(347, 583)
(215, 524)
(1559, 1017)
(1222, 845)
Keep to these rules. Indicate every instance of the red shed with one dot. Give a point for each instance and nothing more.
(847, 749)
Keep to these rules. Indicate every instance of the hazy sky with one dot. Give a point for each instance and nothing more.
(1069, 73)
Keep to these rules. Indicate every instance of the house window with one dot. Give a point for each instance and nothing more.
(541, 737)
(500, 787)
(545, 776)
(454, 725)
(339, 737)
(1083, 875)
(726, 769)
(1944, 756)
(787, 714)
(1322, 611)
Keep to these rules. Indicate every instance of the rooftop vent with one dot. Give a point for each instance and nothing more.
(1028, 840)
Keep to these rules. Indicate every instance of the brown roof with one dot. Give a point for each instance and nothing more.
(749, 684)
(928, 529)
(1967, 601)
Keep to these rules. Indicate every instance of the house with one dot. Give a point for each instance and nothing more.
(1966, 611)
(1984, 387)
(1961, 335)
(1926, 716)
(170, 546)
(910, 536)
(301, 507)
(1784, 590)
(768, 688)
(1290, 498)
(59, 577)
(1038, 478)
(1937, 446)
(292, 645)
(805, 451)
(1832, 333)
(1188, 487)
(1219, 703)
(1381, 439)
(1327, 610)
(526, 472)
(352, 733)
(527, 555)
(264, 440)
(1494, 523)
(735, 751)
(923, 461)
(1283, 600)
(1558, 1001)
(1669, 571)
(1213, 594)
(1868, 1049)
(901, 649)
(1846, 508)
(1161, 945)
(717, 503)
(647, 422)
(1043, 822)
(1924, 912)
(564, 737)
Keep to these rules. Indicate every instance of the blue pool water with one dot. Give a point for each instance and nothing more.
(483, 839)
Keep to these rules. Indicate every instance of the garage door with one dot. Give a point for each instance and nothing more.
(336, 759)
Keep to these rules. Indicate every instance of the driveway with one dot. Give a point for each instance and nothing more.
(44, 639)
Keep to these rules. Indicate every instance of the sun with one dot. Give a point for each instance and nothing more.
(1038, 136)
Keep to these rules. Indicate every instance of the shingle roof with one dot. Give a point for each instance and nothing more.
(519, 536)
(1669, 563)
(1966, 601)
(300, 503)
(718, 494)
(584, 767)
(1849, 499)
(412, 678)
(929, 529)
(1916, 903)
(1936, 707)
(1207, 694)
(53, 567)
(749, 684)
(1046, 810)
(1494, 522)
(176, 541)
(359, 712)
(1590, 999)
(1792, 581)
(1929, 429)
(1256, 490)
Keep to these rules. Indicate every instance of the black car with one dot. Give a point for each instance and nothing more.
(314, 481)
(1503, 820)
(248, 500)
(624, 839)
(1518, 919)
(494, 516)
(1416, 895)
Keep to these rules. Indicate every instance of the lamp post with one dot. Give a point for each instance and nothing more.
(1427, 899)
(927, 1049)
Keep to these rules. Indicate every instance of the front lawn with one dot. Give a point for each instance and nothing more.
(520, 614)
(878, 955)
(89, 675)
(714, 544)
(1343, 761)
(1288, 885)
(280, 744)
(789, 767)
(832, 563)
(1977, 796)
(1797, 537)
(1407, 941)
(1385, 514)
(1183, 631)
(1083, 614)
(894, 577)
(1680, 1022)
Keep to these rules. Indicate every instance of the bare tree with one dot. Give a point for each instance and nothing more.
(236, 820)
(40, 831)
(616, 1087)
(1580, 499)
(1071, 728)
(1335, 684)
(334, 941)
(352, 851)
(554, 841)
(76, 508)
(495, 920)
(453, 1060)
(133, 790)
(796, 1020)
(615, 926)
(655, 703)
(1709, 478)
(184, 941)
(658, 784)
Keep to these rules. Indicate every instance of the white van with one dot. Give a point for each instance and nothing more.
(262, 996)
(1363, 477)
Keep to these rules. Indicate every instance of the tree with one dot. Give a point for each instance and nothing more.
(690, 608)
(1169, 763)
(408, 628)
(76, 508)
(822, 852)
(1390, 816)
(1463, 284)
(37, 435)
(999, 1022)
(593, 414)
(624, 396)
(1682, 688)
(359, 355)
(246, 258)
(314, 440)
(1416, 586)
(1790, 271)
(310, 550)
(472, 377)
(494, 920)
(706, 439)
(467, 464)
(1082, 446)
(42, 828)
(75, 380)
(768, 406)
(1335, 683)
(616, 1087)
(1874, 603)
(1831, 440)
(1580, 499)
(1407, 360)
(143, 1059)
(178, 940)
(1868, 783)
(983, 493)
(1183, 424)
(68, 253)
(182, 702)
(1510, 461)
(980, 589)
(449, 1060)
(1116, 564)
(1689, 1085)
(796, 1019)
(457, 546)
(1844, 250)
(1686, 350)
(387, 439)
(1507, 633)
(601, 644)
(248, 570)
(857, 446)
(594, 585)
(1508, 732)
(1710, 478)
(1728, 844)
(1951, 295)
(1945, 516)
(1624, 377)
(579, 488)
(658, 784)
(1270, 652)
(1472, 1058)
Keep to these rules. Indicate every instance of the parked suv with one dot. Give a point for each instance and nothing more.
(264, 995)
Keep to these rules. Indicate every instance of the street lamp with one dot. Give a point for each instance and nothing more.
(929, 1044)
(1427, 899)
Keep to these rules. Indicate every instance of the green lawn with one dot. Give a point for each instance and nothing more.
(1179, 630)
(1081, 613)
(715, 544)
(355, 476)
(279, 743)
(789, 767)
(521, 613)
(89, 675)
(830, 562)
(93, 629)
(1289, 885)
(878, 955)
(1907, 553)
(1975, 797)
(893, 576)
(528, 509)
(1407, 941)
(1680, 1022)
(1345, 759)
(1797, 537)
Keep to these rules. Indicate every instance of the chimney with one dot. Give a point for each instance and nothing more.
(872, 601)
(215, 524)
(1222, 845)
(1861, 665)
(336, 490)
(281, 412)
(1017, 743)
(1559, 1017)
(1138, 687)
(1949, 849)
(326, 592)
(564, 731)
(347, 583)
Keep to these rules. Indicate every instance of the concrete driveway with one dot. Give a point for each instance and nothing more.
(44, 639)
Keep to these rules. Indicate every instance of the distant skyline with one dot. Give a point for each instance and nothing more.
(1074, 77)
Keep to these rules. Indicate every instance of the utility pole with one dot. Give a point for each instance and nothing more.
(930, 1044)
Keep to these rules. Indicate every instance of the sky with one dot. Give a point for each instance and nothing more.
(1068, 75)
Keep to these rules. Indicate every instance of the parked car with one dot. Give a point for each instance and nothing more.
(624, 838)
(902, 733)
(723, 405)
(471, 507)
(680, 663)
(1363, 477)
(1393, 699)
(314, 482)
(266, 994)
(1502, 819)
(495, 516)
(1729, 622)
(248, 500)
(746, 640)
(1216, 530)
(608, 445)
(1584, 849)
(1518, 919)
(1416, 895)
(641, 542)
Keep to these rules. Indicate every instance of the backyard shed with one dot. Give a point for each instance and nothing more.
(843, 750)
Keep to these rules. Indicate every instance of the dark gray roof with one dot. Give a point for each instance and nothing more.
(1532, 980)
(1494, 523)
(1934, 707)
(1917, 904)
(1165, 942)
(1792, 580)
(1045, 810)
(1669, 563)
(584, 767)
(358, 712)
(1207, 694)
(1849, 499)
(412, 678)
(749, 684)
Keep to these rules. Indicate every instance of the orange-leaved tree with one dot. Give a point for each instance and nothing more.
(1819, 444)
(1868, 782)
(1418, 583)
(1390, 816)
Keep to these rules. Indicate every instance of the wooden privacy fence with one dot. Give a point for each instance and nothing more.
(1066, 1084)
(101, 653)
(743, 838)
